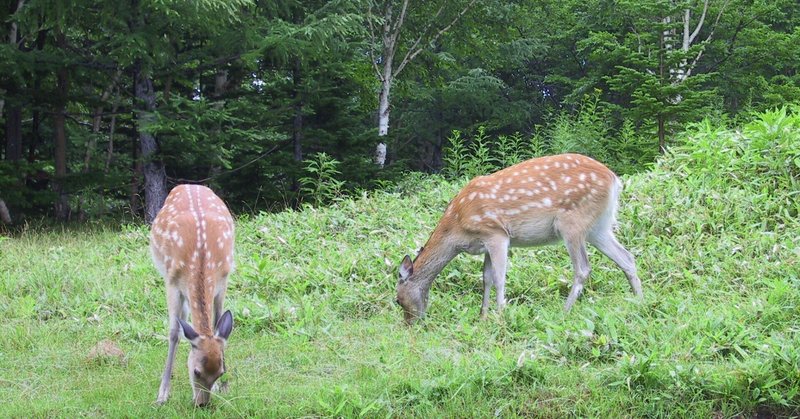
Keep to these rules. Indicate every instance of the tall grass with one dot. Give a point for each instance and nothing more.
(713, 227)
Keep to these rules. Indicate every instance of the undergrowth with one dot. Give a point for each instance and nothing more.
(713, 227)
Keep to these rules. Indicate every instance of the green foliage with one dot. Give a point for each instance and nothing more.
(586, 132)
(761, 159)
(321, 184)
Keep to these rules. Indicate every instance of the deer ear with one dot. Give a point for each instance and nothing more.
(225, 325)
(406, 268)
(189, 332)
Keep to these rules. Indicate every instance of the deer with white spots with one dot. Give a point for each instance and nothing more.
(191, 242)
(567, 197)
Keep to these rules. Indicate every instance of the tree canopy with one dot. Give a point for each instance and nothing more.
(104, 105)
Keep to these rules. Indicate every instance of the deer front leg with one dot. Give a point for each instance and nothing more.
(220, 387)
(498, 253)
(580, 265)
(488, 280)
(174, 306)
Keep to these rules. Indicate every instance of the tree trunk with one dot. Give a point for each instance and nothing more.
(14, 133)
(5, 216)
(97, 119)
(297, 123)
(60, 136)
(383, 110)
(113, 124)
(662, 142)
(36, 115)
(383, 107)
(155, 177)
(136, 176)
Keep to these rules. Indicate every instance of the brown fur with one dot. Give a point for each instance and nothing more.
(566, 197)
(192, 247)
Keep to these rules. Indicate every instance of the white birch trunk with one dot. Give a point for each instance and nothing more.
(383, 99)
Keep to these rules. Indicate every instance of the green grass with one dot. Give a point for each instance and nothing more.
(317, 332)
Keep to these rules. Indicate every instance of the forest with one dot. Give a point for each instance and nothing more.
(107, 105)
(338, 133)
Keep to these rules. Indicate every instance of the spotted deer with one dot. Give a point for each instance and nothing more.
(567, 197)
(191, 242)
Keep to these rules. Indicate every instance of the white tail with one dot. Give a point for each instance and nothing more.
(567, 197)
(191, 241)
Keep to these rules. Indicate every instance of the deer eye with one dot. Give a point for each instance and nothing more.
(196, 372)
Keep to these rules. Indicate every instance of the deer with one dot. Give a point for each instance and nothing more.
(191, 243)
(568, 197)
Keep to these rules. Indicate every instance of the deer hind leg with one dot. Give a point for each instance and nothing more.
(576, 247)
(488, 280)
(497, 252)
(607, 244)
(175, 307)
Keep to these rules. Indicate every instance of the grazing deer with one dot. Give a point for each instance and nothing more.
(567, 197)
(191, 242)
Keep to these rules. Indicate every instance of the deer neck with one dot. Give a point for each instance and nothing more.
(201, 304)
(439, 250)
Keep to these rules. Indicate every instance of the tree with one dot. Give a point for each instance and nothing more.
(392, 24)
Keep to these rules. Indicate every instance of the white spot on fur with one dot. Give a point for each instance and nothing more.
(582, 177)
(547, 202)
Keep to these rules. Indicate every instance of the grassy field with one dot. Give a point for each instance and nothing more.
(317, 332)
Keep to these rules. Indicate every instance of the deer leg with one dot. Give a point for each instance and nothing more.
(218, 301)
(488, 279)
(580, 265)
(607, 244)
(498, 253)
(175, 308)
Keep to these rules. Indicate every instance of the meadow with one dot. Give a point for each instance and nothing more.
(713, 226)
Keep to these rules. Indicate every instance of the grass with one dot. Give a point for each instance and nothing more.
(317, 333)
